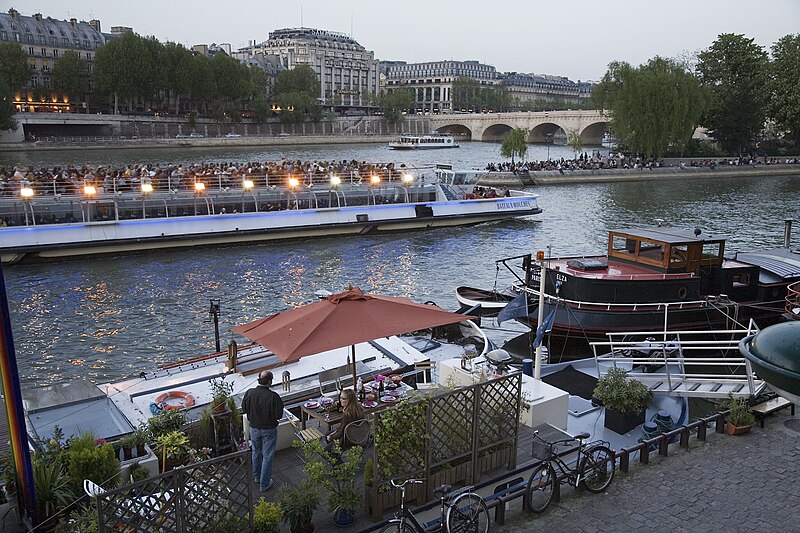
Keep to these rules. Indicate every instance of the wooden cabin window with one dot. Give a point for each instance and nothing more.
(623, 245)
(712, 250)
(652, 251)
(741, 279)
(678, 254)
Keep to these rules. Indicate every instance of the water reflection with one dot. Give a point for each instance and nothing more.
(103, 318)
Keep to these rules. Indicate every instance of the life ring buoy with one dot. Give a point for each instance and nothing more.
(682, 293)
(188, 400)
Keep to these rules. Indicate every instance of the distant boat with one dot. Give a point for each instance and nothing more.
(423, 142)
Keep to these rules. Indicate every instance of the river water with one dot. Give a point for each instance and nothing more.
(105, 318)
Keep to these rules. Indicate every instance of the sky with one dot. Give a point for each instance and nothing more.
(575, 38)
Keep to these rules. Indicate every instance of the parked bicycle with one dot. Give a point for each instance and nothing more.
(593, 469)
(461, 511)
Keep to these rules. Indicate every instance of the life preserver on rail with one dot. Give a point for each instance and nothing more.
(682, 292)
(188, 400)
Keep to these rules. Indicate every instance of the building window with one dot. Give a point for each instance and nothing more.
(30, 50)
(55, 53)
(44, 52)
(46, 81)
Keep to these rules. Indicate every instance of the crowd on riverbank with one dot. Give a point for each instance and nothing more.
(70, 180)
(620, 161)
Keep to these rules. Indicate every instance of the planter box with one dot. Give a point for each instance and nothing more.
(622, 423)
(451, 476)
(730, 429)
(500, 458)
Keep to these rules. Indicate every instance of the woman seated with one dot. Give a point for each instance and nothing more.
(351, 411)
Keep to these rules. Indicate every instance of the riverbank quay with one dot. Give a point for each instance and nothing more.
(568, 177)
(727, 483)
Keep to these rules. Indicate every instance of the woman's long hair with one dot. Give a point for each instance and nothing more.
(353, 408)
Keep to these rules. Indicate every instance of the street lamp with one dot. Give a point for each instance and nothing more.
(548, 139)
(213, 312)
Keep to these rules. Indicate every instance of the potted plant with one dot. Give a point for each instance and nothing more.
(266, 517)
(172, 449)
(139, 439)
(336, 472)
(52, 490)
(625, 400)
(740, 417)
(221, 390)
(298, 504)
(127, 444)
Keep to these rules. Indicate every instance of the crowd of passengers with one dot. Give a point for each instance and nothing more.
(71, 180)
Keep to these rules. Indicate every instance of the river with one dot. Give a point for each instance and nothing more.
(105, 318)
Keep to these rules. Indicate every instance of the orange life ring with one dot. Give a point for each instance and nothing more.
(188, 400)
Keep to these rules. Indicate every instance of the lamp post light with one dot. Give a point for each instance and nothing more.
(26, 193)
(548, 139)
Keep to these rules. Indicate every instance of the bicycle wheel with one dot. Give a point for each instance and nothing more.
(467, 514)
(597, 469)
(395, 526)
(541, 488)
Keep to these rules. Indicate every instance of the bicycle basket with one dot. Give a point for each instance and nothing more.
(542, 450)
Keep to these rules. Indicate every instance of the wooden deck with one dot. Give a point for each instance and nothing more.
(288, 468)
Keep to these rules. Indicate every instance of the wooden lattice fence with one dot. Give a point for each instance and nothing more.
(462, 434)
(210, 496)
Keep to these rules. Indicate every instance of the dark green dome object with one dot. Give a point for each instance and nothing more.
(774, 354)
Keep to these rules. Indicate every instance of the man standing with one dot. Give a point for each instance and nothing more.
(263, 408)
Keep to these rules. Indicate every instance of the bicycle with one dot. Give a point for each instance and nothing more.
(461, 511)
(594, 470)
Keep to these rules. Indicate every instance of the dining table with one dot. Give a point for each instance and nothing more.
(321, 411)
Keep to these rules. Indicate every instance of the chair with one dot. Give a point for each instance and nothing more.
(92, 489)
(424, 368)
(358, 433)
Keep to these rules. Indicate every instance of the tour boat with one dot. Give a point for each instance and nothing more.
(423, 142)
(654, 278)
(53, 225)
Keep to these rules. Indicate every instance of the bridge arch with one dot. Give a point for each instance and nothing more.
(542, 133)
(495, 132)
(593, 133)
(456, 130)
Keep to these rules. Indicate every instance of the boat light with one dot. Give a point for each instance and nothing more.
(336, 180)
(540, 255)
(408, 178)
(375, 180)
(247, 184)
(26, 192)
(199, 186)
(293, 182)
(89, 190)
(147, 187)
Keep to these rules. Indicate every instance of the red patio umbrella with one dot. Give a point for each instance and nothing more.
(343, 319)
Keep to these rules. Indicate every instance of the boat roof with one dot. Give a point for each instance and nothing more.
(671, 235)
(782, 263)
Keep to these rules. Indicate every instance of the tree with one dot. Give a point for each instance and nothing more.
(14, 69)
(653, 106)
(734, 69)
(784, 86)
(71, 75)
(515, 144)
(177, 62)
(7, 121)
(465, 94)
(394, 103)
(575, 142)
(298, 89)
(127, 67)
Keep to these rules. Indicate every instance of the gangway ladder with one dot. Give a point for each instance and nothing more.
(448, 191)
(670, 377)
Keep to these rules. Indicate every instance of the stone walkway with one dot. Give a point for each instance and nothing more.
(742, 483)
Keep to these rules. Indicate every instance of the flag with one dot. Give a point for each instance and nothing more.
(514, 309)
(544, 327)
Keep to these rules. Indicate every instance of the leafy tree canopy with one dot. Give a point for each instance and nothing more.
(784, 86)
(394, 103)
(14, 69)
(653, 106)
(515, 144)
(734, 69)
(71, 74)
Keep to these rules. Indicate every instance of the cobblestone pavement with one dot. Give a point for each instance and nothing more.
(742, 483)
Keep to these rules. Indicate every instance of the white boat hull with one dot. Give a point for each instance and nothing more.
(64, 240)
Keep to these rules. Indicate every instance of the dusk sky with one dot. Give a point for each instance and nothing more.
(577, 38)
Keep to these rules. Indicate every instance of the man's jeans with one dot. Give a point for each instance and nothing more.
(263, 442)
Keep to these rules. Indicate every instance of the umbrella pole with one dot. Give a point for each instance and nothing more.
(353, 352)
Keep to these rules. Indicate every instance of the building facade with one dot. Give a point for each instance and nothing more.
(44, 40)
(525, 87)
(432, 82)
(347, 71)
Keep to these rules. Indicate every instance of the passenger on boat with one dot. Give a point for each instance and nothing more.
(351, 411)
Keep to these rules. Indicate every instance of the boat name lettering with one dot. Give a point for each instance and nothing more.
(559, 276)
(514, 205)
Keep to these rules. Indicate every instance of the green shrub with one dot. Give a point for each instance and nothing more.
(51, 487)
(97, 463)
(266, 517)
(740, 413)
(81, 521)
(165, 422)
(621, 394)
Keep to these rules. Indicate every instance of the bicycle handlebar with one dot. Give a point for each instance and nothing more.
(406, 482)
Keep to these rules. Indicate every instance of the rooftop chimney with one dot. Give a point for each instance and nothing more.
(94, 23)
(38, 17)
(73, 22)
(13, 12)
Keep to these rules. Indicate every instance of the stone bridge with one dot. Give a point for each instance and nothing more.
(542, 125)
